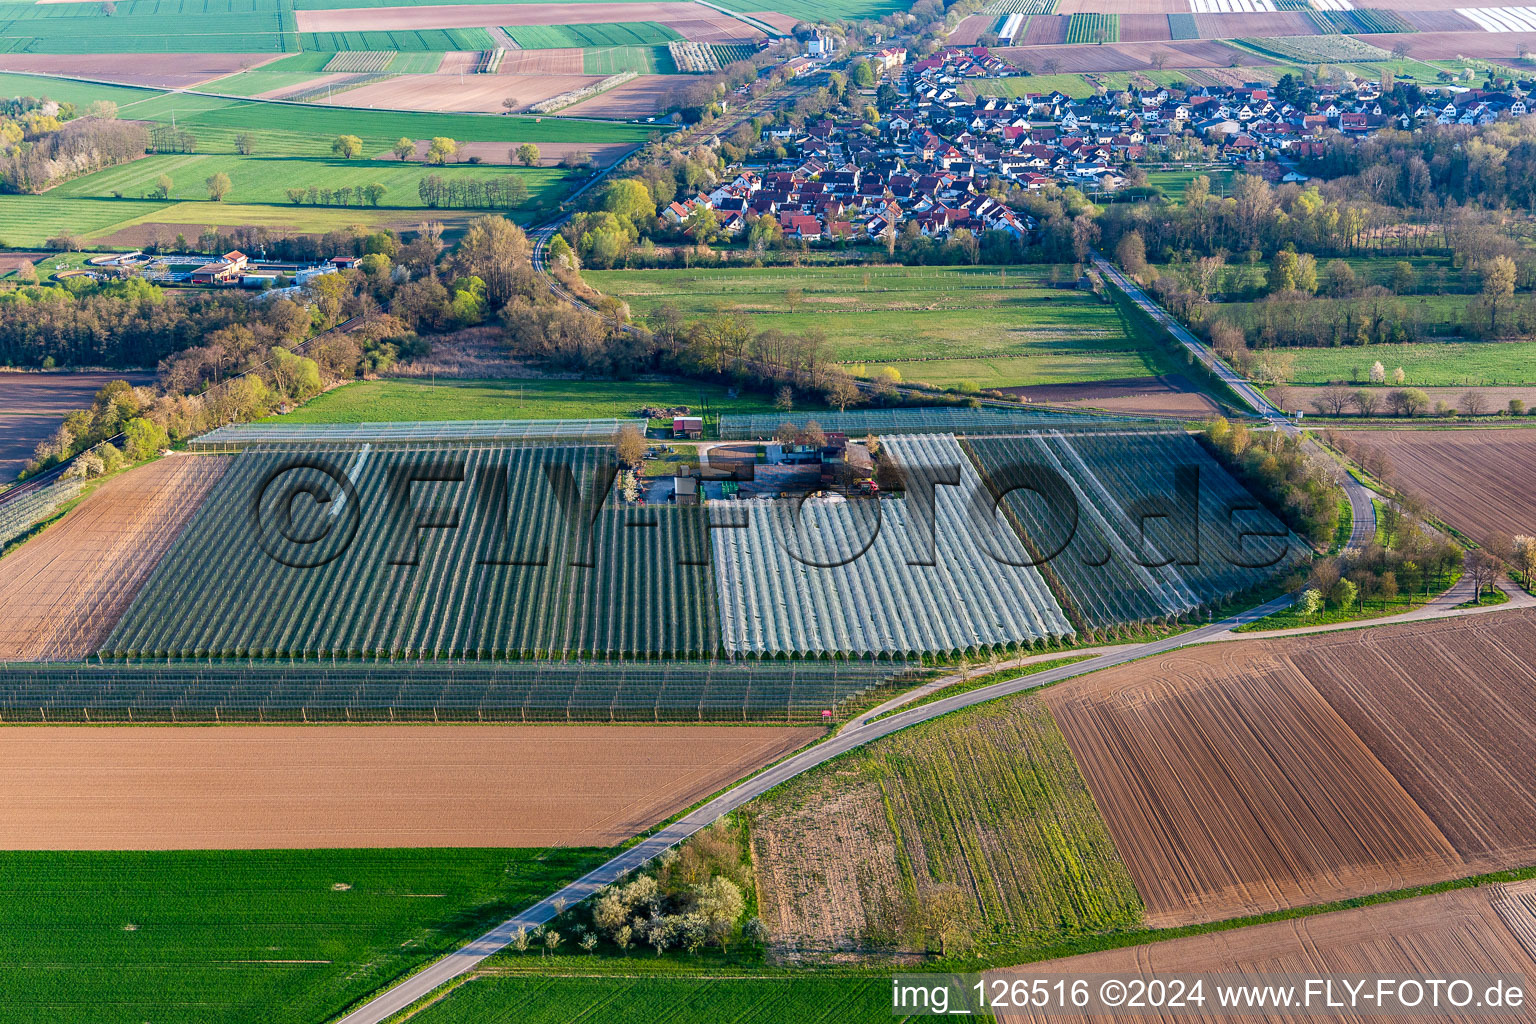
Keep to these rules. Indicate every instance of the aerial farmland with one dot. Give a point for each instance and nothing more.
(768, 512)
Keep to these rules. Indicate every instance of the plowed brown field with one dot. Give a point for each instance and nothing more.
(1479, 481)
(542, 62)
(1144, 28)
(1449, 45)
(1122, 7)
(32, 405)
(1232, 788)
(63, 590)
(1172, 395)
(157, 70)
(451, 92)
(1446, 935)
(637, 97)
(1450, 709)
(1238, 26)
(147, 788)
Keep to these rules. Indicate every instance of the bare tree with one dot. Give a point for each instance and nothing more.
(1484, 568)
(629, 444)
(946, 911)
(1474, 403)
(842, 391)
(784, 401)
(1333, 400)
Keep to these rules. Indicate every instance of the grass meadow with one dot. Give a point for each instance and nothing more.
(264, 179)
(949, 326)
(404, 400)
(1425, 364)
(673, 998)
(624, 33)
(229, 937)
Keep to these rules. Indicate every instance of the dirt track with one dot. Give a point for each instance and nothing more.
(234, 787)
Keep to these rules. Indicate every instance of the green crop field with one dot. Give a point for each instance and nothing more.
(1033, 859)
(941, 325)
(415, 63)
(643, 60)
(1432, 364)
(1075, 86)
(1094, 28)
(405, 400)
(625, 33)
(263, 179)
(31, 220)
(280, 74)
(152, 26)
(408, 40)
(230, 937)
(676, 999)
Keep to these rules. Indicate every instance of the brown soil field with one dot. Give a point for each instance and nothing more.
(782, 22)
(1122, 7)
(550, 153)
(1439, 21)
(152, 232)
(1447, 45)
(542, 62)
(1496, 398)
(1045, 30)
(1479, 481)
(638, 97)
(1127, 57)
(1172, 395)
(9, 261)
(265, 787)
(155, 70)
(1450, 709)
(1232, 788)
(32, 405)
(449, 92)
(970, 29)
(1144, 28)
(1238, 26)
(1445, 935)
(692, 20)
(64, 589)
(459, 62)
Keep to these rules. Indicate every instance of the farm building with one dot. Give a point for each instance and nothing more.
(689, 427)
(226, 270)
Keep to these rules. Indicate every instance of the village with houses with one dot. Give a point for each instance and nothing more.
(940, 159)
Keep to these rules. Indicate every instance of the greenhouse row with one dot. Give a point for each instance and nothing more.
(544, 691)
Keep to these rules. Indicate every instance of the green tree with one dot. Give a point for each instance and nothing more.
(374, 193)
(630, 199)
(863, 74)
(1498, 284)
(441, 149)
(143, 439)
(218, 186)
(527, 154)
(347, 146)
(163, 186)
(403, 148)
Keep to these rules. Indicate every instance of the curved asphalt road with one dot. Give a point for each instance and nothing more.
(861, 730)
(1363, 528)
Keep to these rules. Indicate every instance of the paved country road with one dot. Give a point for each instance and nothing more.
(1361, 503)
